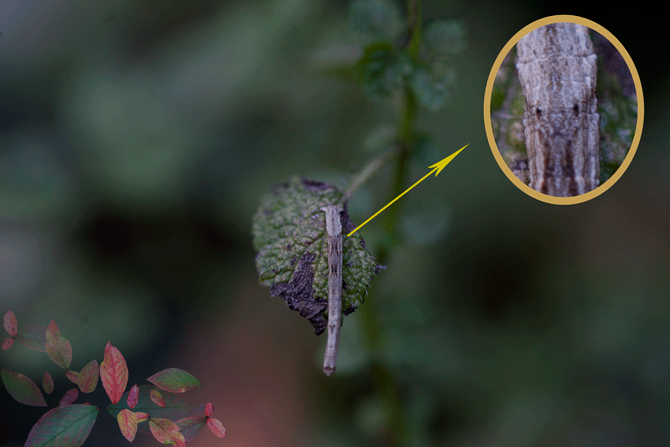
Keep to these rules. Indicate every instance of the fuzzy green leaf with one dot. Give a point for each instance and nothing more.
(445, 37)
(375, 21)
(290, 237)
(380, 70)
(433, 86)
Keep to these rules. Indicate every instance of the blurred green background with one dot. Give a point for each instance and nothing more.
(136, 138)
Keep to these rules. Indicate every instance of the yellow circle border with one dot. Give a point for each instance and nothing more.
(487, 111)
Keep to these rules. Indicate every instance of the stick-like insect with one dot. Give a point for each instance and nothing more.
(334, 232)
(557, 71)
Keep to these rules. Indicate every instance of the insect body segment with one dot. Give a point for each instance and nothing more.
(557, 71)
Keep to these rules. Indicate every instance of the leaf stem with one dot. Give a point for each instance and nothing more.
(368, 171)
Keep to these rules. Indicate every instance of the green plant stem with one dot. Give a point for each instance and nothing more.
(383, 378)
(414, 16)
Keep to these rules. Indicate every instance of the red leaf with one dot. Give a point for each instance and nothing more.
(58, 347)
(73, 376)
(33, 338)
(177, 406)
(114, 373)
(69, 397)
(174, 380)
(191, 426)
(9, 341)
(22, 389)
(217, 427)
(128, 424)
(11, 326)
(157, 398)
(69, 426)
(209, 409)
(88, 377)
(133, 396)
(166, 432)
(141, 417)
(47, 383)
(52, 332)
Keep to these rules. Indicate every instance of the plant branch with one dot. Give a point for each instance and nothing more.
(368, 171)
(414, 19)
(383, 377)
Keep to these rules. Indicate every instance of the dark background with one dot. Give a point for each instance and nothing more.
(136, 138)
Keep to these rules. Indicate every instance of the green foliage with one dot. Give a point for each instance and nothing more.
(378, 71)
(497, 98)
(618, 119)
(373, 21)
(289, 232)
(386, 66)
(433, 85)
(445, 37)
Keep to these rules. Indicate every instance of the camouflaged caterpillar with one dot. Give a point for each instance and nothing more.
(557, 71)
(334, 232)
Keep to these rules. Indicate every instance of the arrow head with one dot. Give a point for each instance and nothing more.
(442, 164)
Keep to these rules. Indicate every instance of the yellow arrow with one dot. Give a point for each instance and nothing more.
(436, 167)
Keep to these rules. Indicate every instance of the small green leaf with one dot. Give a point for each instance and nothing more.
(174, 380)
(22, 388)
(445, 37)
(380, 71)
(69, 426)
(433, 86)
(290, 237)
(373, 21)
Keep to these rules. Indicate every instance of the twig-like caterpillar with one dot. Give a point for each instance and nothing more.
(557, 70)
(334, 232)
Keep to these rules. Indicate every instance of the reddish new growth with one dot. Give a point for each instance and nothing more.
(70, 424)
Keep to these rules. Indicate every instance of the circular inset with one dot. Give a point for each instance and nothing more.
(564, 114)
